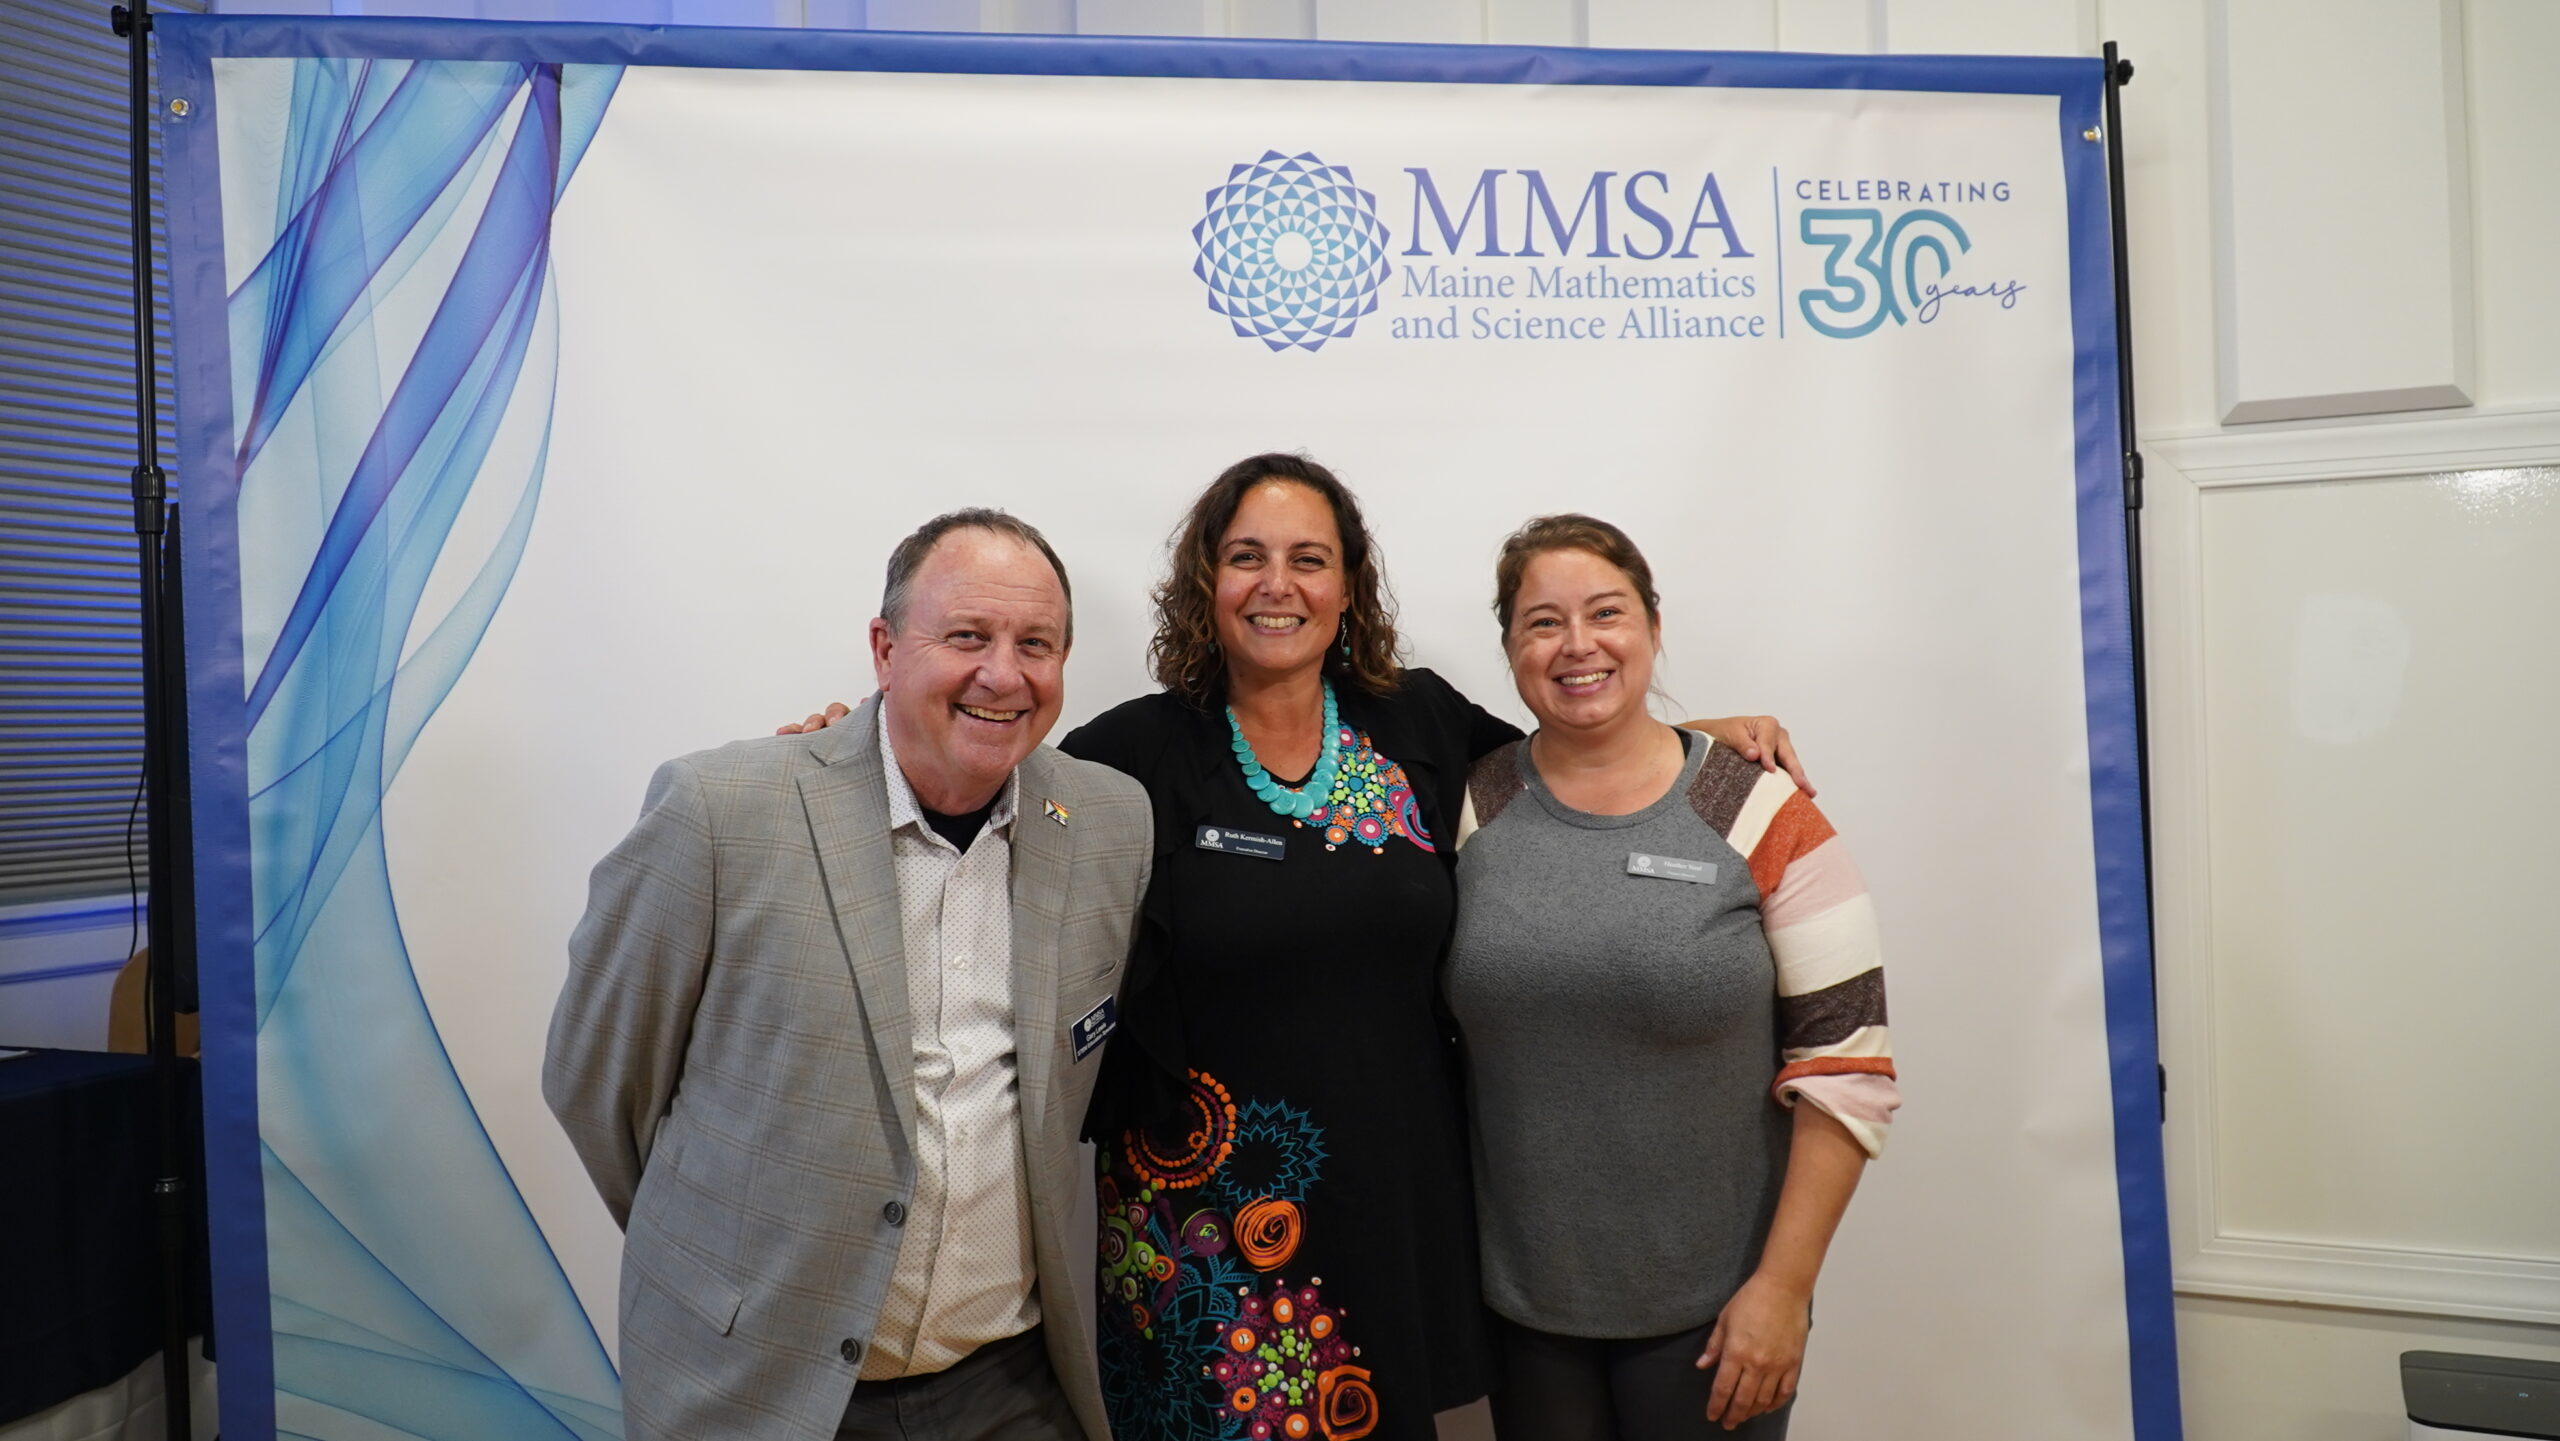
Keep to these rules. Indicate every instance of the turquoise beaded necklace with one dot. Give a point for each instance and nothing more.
(1298, 803)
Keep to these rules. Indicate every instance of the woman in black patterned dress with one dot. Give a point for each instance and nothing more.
(1288, 1239)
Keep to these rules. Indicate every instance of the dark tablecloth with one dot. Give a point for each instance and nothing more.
(79, 1229)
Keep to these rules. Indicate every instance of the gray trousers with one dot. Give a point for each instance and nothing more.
(1565, 1388)
(1003, 1391)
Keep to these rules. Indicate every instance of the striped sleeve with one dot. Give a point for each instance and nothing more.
(1491, 783)
(1835, 1049)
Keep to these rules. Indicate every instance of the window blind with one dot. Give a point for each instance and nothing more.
(70, 632)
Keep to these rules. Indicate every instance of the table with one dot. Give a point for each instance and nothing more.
(79, 1229)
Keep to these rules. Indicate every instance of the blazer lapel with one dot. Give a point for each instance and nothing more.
(1042, 851)
(847, 800)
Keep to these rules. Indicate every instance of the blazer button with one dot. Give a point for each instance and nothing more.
(895, 1213)
(852, 1351)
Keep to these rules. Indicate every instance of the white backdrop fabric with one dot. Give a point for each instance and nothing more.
(779, 317)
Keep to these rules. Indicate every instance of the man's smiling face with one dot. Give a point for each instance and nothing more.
(974, 673)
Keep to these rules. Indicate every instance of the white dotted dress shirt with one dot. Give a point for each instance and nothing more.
(965, 1274)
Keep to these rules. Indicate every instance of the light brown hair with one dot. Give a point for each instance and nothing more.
(1184, 654)
(1569, 532)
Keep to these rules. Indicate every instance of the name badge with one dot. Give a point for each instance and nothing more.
(1671, 868)
(1240, 843)
(1096, 1027)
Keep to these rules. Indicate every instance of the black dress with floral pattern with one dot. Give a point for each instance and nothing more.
(1288, 1238)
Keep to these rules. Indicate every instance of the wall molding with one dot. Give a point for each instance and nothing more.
(2372, 1278)
(2285, 348)
(2206, 1259)
(2471, 440)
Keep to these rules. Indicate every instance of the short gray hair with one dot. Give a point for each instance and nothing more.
(910, 555)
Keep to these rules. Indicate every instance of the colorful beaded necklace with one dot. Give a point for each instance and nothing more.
(1297, 803)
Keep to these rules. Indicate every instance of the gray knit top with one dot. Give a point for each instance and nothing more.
(1621, 1016)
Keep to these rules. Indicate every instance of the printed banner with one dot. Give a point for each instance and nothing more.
(553, 395)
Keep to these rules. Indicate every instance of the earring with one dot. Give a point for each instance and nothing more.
(1343, 633)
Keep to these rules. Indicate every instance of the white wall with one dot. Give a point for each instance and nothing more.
(58, 963)
(2340, 210)
(2345, 626)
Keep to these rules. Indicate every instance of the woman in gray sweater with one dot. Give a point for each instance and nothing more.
(1666, 969)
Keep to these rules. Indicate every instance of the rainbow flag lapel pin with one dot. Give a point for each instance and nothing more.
(1055, 811)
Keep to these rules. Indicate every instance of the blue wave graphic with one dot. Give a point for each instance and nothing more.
(392, 355)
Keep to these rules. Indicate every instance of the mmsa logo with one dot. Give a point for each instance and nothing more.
(1292, 251)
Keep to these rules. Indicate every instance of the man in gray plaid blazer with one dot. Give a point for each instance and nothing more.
(830, 1024)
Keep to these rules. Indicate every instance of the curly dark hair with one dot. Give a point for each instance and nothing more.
(1184, 654)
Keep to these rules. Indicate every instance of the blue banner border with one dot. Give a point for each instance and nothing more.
(208, 487)
(189, 46)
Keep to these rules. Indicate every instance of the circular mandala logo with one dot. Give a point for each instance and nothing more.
(1293, 252)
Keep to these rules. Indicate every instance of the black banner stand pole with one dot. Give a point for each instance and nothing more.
(159, 736)
(2119, 75)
